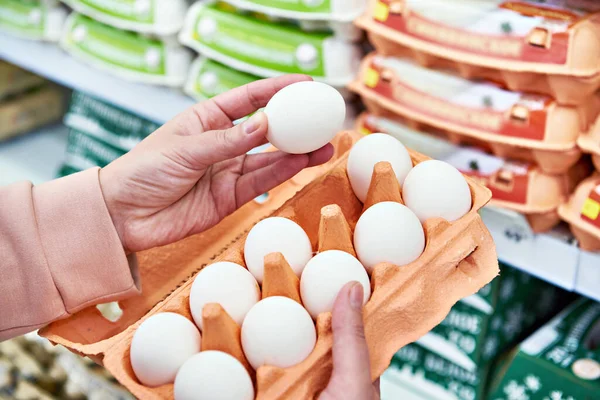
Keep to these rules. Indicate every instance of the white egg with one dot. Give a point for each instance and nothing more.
(160, 346)
(273, 235)
(213, 375)
(304, 117)
(226, 283)
(278, 331)
(388, 232)
(437, 189)
(325, 275)
(370, 150)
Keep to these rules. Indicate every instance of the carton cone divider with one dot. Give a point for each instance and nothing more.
(222, 333)
(279, 278)
(384, 186)
(334, 230)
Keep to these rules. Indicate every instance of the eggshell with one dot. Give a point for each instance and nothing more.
(228, 284)
(436, 189)
(388, 232)
(325, 275)
(278, 332)
(273, 235)
(304, 117)
(213, 375)
(160, 346)
(370, 150)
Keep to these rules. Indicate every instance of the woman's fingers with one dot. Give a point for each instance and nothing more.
(258, 161)
(239, 102)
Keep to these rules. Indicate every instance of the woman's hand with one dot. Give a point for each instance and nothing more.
(351, 377)
(193, 171)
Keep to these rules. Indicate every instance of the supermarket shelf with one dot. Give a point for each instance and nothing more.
(36, 156)
(553, 256)
(47, 59)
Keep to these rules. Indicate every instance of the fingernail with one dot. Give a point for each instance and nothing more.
(253, 124)
(356, 296)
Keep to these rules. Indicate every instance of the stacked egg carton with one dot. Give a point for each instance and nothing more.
(517, 80)
(26, 101)
(244, 40)
(405, 303)
(99, 133)
(31, 368)
(134, 40)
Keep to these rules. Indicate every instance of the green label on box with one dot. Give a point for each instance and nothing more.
(275, 47)
(214, 78)
(561, 361)
(129, 10)
(85, 152)
(26, 17)
(315, 6)
(104, 121)
(116, 47)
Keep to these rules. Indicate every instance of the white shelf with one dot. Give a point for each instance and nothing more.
(553, 256)
(156, 103)
(35, 157)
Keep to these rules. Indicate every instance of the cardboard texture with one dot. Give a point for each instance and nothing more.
(582, 212)
(14, 80)
(517, 186)
(556, 52)
(406, 302)
(589, 142)
(561, 361)
(524, 127)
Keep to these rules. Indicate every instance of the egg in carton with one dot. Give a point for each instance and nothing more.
(162, 270)
(589, 142)
(517, 186)
(582, 213)
(406, 302)
(521, 126)
(544, 48)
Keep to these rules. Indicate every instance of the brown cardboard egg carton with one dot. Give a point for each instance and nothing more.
(406, 302)
(559, 57)
(525, 127)
(589, 142)
(519, 186)
(582, 213)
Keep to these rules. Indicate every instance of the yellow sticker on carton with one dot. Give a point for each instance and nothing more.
(371, 78)
(591, 209)
(381, 12)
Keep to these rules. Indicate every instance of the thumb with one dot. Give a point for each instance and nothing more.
(351, 364)
(201, 151)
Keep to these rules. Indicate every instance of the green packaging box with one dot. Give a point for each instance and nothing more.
(482, 326)
(84, 151)
(561, 361)
(106, 122)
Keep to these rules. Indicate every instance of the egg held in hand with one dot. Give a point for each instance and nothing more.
(388, 232)
(276, 235)
(213, 375)
(370, 150)
(304, 117)
(228, 284)
(435, 189)
(325, 275)
(278, 331)
(160, 346)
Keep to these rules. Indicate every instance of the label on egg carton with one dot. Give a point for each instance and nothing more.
(32, 19)
(590, 211)
(268, 49)
(531, 31)
(129, 55)
(336, 10)
(561, 361)
(448, 98)
(84, 151)
(162, 17)
(106, 122)
(481, 326)
(209, 78)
